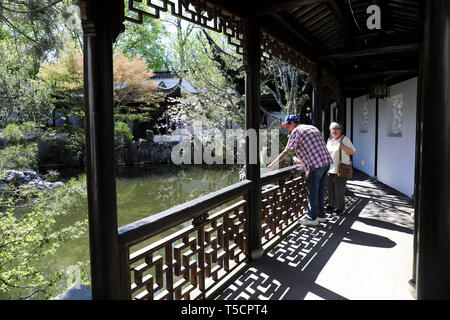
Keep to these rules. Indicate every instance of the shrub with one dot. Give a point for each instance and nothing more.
(19, 157)
(22, 98)
(28, 235)
(122, 133)
(12, 134)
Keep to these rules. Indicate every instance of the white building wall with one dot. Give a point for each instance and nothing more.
(396, 155)
(364, 135)
(332, 117)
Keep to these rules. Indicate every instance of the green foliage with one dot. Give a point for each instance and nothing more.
(181, 43)
(29, 128)
(22, 99)
(67, 198)
(28, 237)
(12, 134)
(218, 103)
(36, 25)
(122, 133)
(76, 142)
(65, 78)
(19, 157)
(147, 40)
(21, 151)
(52, 176)
(134, 95)
(287, 85)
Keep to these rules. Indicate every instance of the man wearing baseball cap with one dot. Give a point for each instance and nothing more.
(309, 145)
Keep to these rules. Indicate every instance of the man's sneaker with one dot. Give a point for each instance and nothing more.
(307, 222)
(322, 219)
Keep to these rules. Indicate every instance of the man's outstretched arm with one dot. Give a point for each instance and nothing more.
(280, 158)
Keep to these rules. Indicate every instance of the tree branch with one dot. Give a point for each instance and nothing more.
(30, 11)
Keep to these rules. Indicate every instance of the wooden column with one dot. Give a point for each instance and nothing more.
(351, 120)
(417, 175)
(433, 171)
(326, 126)
(377, 111)
(341, 108)
(252, 122)
(99, 33)
(317, 101)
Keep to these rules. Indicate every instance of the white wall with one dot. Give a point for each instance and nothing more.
(332, 118)
(396, 155)
(364, 142)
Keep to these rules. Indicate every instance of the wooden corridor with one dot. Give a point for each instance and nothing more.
(366, 253)
(417, 44)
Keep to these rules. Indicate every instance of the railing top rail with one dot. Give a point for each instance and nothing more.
(150, 226)
(277, 175)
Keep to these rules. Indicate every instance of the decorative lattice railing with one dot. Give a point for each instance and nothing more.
(183, 252)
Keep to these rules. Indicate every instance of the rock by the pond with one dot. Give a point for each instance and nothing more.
(28, 177)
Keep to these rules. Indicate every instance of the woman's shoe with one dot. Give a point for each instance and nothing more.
(329, 208)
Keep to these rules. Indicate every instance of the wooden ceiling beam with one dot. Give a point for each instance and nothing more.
(380, 74)
(269, 7)
(372, 51)
(297, 29)
(338, 7)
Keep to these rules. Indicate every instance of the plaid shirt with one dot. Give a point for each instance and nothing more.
(308, 143)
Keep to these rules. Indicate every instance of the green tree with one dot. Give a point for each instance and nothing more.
(20, 153)
(28, 236)
(65, 77)
(134, 93)
(35, 24)
(181, 42)
(22, 98)
(287, 85)
(146, 40)
(218, 102)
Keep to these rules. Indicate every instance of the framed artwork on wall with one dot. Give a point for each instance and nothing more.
(396, 112)
(364, 123)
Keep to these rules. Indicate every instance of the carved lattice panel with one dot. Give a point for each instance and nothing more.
(282, 205)
(189, 262)
(194, 11)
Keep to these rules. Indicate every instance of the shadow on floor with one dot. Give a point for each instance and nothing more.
(289, 270)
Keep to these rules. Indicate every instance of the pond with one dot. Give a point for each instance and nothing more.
(143, 191)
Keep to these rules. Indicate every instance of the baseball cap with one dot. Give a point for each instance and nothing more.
(290, 118)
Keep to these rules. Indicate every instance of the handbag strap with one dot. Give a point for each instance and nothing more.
(340, 151)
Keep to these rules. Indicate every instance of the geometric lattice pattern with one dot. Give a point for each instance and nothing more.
(282, 205)
(258, 285)
(207, 16)
(194, 11)
(189, 262)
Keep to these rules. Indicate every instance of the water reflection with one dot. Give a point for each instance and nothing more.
(144, 191)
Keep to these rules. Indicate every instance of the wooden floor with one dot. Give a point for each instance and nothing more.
(365, 253)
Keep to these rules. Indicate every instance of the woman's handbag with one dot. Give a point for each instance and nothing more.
(344, 170)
